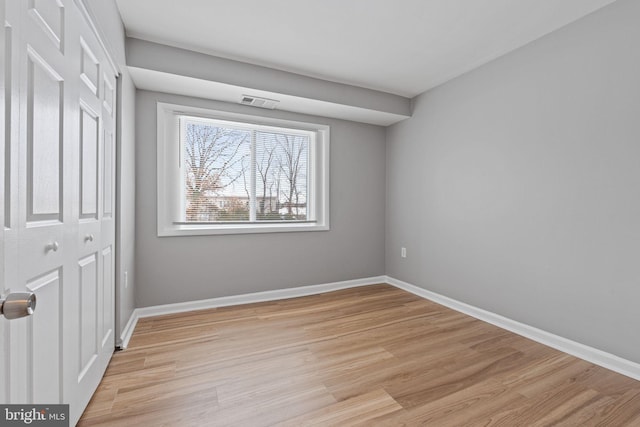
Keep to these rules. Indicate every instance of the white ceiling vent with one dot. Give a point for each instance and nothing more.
(256, 101)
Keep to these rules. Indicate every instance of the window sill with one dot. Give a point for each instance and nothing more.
(218, 229)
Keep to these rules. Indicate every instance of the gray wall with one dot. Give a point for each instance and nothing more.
(174, 269)
(107, 18)
(515, 188)
(126, 202)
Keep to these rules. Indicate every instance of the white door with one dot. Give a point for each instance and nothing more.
(59, 225)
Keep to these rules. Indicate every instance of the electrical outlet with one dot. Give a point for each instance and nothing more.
(126, 279)
(403, 252)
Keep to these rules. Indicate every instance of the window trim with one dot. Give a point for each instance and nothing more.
(169, 156)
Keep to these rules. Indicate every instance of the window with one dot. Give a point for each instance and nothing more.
(223, 173)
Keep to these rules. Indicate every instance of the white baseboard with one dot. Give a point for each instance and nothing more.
(127, 332)
(274, 295)
(590, 354)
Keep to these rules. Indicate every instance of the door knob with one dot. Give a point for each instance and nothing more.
(52, 247)
(18, 304)
(88, 238)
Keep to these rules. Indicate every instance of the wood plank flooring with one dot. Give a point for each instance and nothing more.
(366, 356)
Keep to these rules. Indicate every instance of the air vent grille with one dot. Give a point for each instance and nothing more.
(256, 101)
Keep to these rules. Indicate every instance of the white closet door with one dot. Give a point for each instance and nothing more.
(58, 169)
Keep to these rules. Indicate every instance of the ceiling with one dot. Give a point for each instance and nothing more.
(404, 47)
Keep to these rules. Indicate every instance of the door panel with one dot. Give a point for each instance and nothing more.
(89, 68)
(88, 162)
(44, 337)
(45, 91)
(88, 314)
(109, 95)
(49, 15)
(57, 172)
(42, 187)
(11, 334)
(108, 287)
(97, 336)
(6, 80)
(109, 170)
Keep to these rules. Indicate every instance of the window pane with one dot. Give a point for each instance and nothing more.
(228, 173)
(216, 176)
(282, 163)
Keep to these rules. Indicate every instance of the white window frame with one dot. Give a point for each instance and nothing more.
(170, 182)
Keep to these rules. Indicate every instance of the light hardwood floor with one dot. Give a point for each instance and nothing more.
(367, 356)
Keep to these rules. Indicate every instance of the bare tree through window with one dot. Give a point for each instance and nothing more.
(218, 174)
(213, 163)
(267, 160)
(293, 164)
